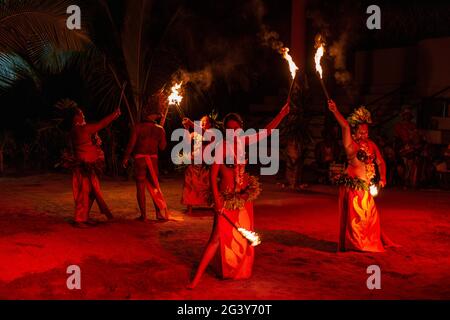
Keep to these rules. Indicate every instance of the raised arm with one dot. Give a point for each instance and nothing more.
(130, 147)
(270, 126)
(346, 131)
(381, 165)
(95, 127)
(278, 118)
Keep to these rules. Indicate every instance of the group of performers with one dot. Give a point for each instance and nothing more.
(227, 186)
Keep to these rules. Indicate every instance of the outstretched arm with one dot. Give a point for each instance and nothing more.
(95, 127)
(346, 131)
(270, 126)
(279, 117)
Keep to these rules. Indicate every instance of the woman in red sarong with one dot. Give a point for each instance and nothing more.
(234, 192)
(87, 162)
(197, 187)
(359, 219)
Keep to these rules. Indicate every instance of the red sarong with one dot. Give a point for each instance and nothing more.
(236, 255)
(86, 189)
(197, 187)
(359, 221)
(153, 186)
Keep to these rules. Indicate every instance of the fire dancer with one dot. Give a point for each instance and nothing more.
(359, 219)
(197, 187)
(146, 139)
(234, 192)
(87, 162)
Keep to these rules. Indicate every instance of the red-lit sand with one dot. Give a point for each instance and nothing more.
(126, 259)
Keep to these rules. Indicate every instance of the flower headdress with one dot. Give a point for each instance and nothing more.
(66, 104)
(359, 116)
(214, 118)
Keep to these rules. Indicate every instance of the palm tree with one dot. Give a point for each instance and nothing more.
(133, 62)
(30, 31)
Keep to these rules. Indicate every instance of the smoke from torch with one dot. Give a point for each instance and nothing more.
(272, 39)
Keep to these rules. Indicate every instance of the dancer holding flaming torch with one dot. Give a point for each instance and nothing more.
(359, 218)
(197, 185)
(147, 138)
(234, 193)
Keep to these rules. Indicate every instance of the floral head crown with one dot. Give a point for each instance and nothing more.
(66, 104)
(359, 116)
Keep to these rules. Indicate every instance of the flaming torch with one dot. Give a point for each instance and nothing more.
(319, 53)
(174, 99)
(251, 236)
(373, 189)
(292, 68)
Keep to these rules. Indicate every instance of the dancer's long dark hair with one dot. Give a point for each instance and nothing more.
(235, 117)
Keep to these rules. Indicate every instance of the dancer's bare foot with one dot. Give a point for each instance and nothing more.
(80, 225)
(191, 286)
(160, 217)
(92, 223)
(109, 215)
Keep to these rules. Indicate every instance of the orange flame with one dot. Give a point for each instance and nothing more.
(175, 97)
(373, 190)
(251, 236)
(292, 66)
(319, 53)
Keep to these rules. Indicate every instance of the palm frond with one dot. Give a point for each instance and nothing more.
(101, 79)
(13, 69)
(26, 25)
(133, 44)
(34, 40)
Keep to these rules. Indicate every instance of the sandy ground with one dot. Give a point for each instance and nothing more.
(127, 259)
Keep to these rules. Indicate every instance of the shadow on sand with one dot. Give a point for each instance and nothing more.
(295, 239)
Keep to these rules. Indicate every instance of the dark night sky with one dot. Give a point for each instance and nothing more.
(222, 34)
(209, 31)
